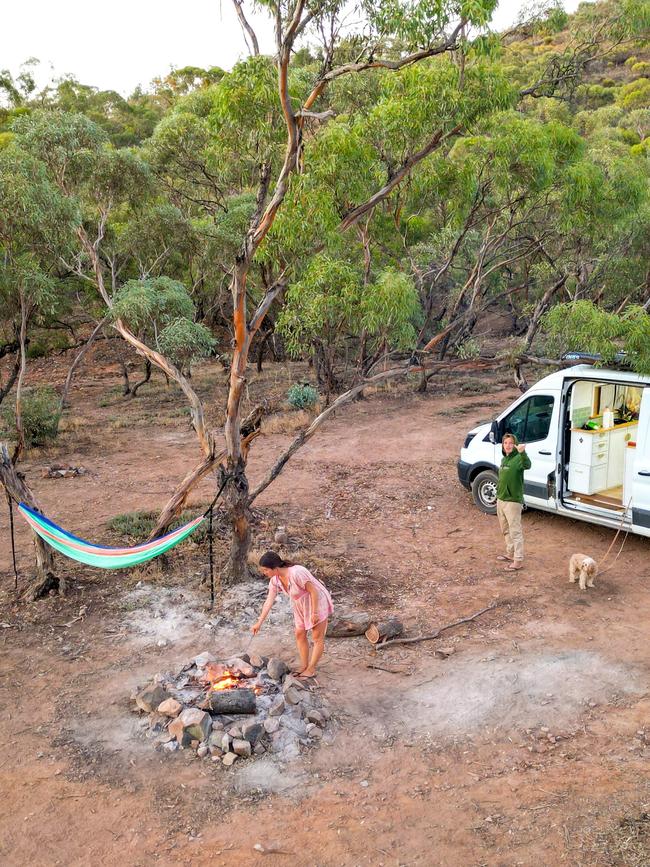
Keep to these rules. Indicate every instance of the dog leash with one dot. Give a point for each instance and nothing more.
(627, 533)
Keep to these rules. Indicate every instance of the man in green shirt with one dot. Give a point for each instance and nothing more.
(510, 499)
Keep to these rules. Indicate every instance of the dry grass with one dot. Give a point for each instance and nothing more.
(627, 844)
(287, 422)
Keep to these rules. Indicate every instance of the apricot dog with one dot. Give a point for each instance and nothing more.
(585, 568)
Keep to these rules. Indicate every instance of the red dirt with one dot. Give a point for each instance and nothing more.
(441, 763)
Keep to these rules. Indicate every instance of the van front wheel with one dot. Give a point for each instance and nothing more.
(484, 491)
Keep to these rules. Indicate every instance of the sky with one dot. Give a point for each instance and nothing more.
(126, 43)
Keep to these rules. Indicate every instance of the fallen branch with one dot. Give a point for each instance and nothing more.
(438, 632)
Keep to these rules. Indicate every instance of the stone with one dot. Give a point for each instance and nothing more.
(203, 659)
(276, 668)
(294, 724)
(252, 732)
(230, 759)
(277, 707)
(315, 716)
(202, 751)
(235, 732)
(197, 722)
(158, 722)
(259, 749)
(170, 746)
(170, 707)
(292, 696)
(225, 743)
(443, 652)
(215, 752)
(150, 697)
(256, 661)
(271, 724)
(314, 732)
(325, 712)
(179, 731)
(291, 681)
(242, 747)
(239, 665)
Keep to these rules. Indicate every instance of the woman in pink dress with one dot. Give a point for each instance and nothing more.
(310, 601)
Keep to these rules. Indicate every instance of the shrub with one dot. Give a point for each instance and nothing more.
(302, 395)
(41, 411)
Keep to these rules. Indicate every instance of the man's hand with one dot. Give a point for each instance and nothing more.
(521, 448)
(255, 628)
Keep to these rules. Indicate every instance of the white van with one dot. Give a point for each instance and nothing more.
(587, 433)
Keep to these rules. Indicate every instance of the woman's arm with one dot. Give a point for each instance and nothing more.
(270, 599)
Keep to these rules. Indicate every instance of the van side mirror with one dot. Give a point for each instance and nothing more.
(494, 431)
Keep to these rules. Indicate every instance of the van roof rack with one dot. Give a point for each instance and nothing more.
(619, 360)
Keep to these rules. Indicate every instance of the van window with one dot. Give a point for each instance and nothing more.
(531, 420)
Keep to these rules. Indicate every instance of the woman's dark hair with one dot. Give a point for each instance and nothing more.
(271, 560)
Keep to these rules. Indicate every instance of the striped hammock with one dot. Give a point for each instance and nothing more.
(99, 555)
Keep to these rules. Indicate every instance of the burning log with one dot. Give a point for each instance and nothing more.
(348, 625)
(377, 633)
(231, 701)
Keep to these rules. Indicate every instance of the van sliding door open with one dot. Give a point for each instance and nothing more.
(640, 471)
(600, 447)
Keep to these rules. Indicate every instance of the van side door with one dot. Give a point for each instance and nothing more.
(535, 423)
(641, 469)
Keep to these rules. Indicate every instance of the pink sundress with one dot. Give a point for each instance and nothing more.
(300, 598)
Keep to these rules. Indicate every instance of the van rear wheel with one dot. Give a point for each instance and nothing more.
(484, 491)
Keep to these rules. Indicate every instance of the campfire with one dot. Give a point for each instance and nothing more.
(220, 677)
(239, 708)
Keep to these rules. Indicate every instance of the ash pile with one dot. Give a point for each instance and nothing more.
(236, 709)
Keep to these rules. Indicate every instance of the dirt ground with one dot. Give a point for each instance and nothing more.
(525, 746)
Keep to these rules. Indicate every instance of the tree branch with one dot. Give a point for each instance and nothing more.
(253, 48)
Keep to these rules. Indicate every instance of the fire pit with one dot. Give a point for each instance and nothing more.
(239, 708)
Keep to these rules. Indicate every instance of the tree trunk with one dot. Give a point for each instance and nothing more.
(147, 377)
(236, 504)
(15, 485)
(13, 376)
(77, 362)
(126, 388)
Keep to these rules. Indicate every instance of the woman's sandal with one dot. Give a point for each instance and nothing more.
(503, 558)
(515, 566)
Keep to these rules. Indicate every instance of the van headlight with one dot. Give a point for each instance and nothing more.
(468, 439)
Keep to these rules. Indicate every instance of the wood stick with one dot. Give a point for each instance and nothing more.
(438, 632)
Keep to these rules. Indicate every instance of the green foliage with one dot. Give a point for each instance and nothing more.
(185, 341)
(636, 94)
(585, 326)
(302, 395)
(324, 303)
(151, 303)
(389, 309)
(40, 413)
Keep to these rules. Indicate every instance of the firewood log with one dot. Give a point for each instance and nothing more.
(377, 633)
(230, 701)
(348, 625)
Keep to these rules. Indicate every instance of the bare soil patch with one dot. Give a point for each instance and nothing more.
(526, 745)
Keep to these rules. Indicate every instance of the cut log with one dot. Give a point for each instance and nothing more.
(348, 625)
(230, 701)
(377, 633)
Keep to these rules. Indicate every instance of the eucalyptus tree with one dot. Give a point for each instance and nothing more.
(257, 131)
(33, 222)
